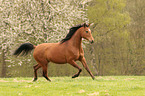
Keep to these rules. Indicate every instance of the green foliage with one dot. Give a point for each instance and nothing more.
(136, 10)
(112, 39)
(82, 86)
(107, 16)
(119, 37)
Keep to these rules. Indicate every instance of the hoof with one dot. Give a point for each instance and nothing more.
(49, 80)
(35, 79)
(93, 78)
(74, 76)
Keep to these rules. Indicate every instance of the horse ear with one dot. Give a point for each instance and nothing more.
(85, 24)
(89, 25)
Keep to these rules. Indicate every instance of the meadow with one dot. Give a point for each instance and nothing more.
(81, 86)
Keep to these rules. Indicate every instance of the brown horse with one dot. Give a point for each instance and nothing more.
(68, 50)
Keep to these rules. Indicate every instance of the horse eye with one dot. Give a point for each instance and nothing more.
(86, 31)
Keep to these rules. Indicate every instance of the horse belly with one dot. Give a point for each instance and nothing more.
(56, 56)
(58, 59)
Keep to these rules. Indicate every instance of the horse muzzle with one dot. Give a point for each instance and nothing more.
(91, 41)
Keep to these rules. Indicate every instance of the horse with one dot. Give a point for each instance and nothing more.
(67, 51)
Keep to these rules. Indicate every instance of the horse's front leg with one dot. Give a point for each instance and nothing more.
(83, 61)
(74, 64)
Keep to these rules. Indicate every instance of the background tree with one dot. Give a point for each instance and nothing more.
(36, 22)
(111, 37)
(136, 9)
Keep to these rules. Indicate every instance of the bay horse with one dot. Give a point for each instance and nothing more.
(68, 50)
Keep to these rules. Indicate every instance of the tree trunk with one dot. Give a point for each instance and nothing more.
(3, 73)
(93, 63)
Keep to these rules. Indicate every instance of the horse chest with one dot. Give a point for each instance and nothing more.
(76, 55)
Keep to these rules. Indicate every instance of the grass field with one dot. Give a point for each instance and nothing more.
(81, 86)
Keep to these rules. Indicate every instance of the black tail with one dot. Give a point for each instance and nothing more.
(24, 49)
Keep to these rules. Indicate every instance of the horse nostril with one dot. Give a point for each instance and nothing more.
(91, 41)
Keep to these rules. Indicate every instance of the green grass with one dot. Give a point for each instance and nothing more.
(81, 86)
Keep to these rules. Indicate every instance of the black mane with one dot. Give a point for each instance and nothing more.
(72, 30)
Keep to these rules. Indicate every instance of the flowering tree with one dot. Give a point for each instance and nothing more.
(36, 21)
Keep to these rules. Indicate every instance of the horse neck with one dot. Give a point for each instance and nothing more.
(76, 40)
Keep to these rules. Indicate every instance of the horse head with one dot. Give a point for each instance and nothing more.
(86, 33)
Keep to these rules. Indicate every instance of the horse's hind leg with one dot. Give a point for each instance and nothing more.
(74, 64)
(36, 67)
(44, 67)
